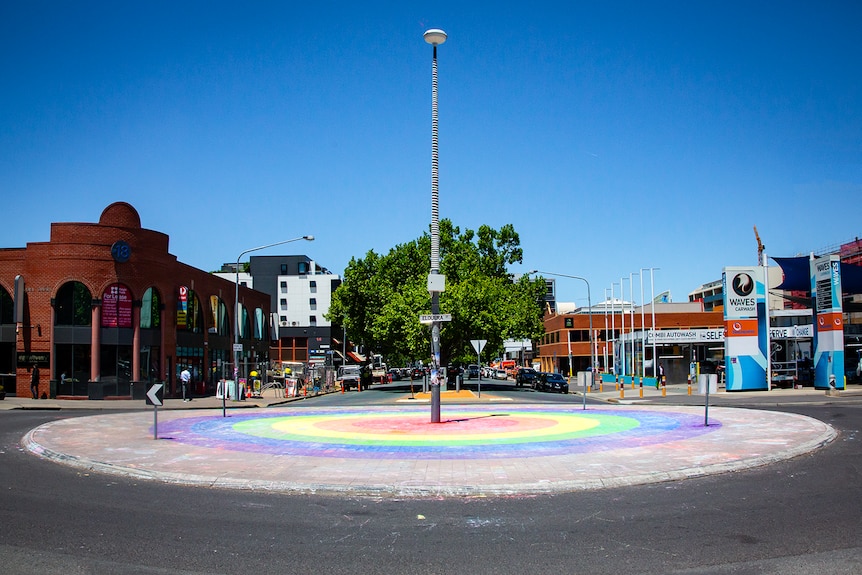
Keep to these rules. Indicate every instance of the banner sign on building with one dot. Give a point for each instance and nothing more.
(117, 306)
(676, 336)
(745, 326)
(182, 307)
(828, 322)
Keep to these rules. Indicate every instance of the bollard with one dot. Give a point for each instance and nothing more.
(622, 392)
(633, 382)
(642, 388)
(616, 383)
(663, 387)
(689, 385)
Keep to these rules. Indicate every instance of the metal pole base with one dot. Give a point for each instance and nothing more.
(435, 403)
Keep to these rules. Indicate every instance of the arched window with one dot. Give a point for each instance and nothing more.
(151, 305)
(73, 305)
(190, 315)
(245, 326)
(259, 324)
(221, 321)
(6, 306)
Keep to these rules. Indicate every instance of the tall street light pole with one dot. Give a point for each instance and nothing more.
(652, 323)
(238, 323)
(590, 308)
(436, 281)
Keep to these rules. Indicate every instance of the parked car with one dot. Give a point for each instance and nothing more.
(526, 376)
(500, 374)
(394, 374)
(417, 373)
(472, 372)
(551, 382)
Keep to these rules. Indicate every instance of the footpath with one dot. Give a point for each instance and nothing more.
(675, 394)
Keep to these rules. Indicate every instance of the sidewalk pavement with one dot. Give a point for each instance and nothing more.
(676, 394)
(210, 402)
(681, 394)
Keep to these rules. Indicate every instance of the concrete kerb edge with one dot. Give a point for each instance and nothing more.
(429, 491)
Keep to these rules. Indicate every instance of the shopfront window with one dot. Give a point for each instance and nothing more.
(192, 358)
(73, 307)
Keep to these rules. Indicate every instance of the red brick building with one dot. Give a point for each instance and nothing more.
(103, 309)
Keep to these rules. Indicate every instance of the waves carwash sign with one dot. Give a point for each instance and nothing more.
(828, 323)
(745, 329)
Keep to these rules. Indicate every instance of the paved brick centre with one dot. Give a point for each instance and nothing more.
(396, 451)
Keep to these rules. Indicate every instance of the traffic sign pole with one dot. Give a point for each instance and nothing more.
(155, 397)
(479, 345)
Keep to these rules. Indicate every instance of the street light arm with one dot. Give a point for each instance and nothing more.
(238, 307)
(307, 238)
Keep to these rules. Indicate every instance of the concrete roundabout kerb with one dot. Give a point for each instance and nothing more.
(395, 451)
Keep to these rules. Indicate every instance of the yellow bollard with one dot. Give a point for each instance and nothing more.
(622, 392)
(663, 387)
(689, 385)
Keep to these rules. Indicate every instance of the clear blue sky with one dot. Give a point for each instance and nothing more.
(613, 135)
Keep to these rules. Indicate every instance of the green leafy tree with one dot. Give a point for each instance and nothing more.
(381, 298)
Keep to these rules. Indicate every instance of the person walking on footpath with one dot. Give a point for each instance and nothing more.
(34, 381)
(185, 378)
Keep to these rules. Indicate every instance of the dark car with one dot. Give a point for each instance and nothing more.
(472, 372)
(551, 382)
(526, 376)
(417, 373)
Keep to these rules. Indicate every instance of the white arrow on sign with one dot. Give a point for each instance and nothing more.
(478, 344)
(153, 394)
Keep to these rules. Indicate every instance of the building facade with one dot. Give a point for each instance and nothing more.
(300, 293)
(622, 343)
(103, 310)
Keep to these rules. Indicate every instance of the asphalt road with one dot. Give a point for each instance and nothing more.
(798, 516)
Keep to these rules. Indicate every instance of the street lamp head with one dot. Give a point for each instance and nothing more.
(531, 272)
(308, 238)
(435, 36)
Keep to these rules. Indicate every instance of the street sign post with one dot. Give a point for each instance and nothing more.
(155, 397)
(479, 345)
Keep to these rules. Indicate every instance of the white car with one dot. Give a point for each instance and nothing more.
(500, 374)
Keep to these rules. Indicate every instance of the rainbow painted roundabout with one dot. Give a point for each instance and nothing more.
(473, 451)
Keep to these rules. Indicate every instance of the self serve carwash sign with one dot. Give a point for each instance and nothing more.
(745, 328)
(828, 322)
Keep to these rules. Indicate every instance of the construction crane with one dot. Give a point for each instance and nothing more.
(760, 247)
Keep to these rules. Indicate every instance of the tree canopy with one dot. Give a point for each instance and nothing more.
(382, 296)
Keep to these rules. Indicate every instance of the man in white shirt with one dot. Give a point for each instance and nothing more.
(186, 378)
